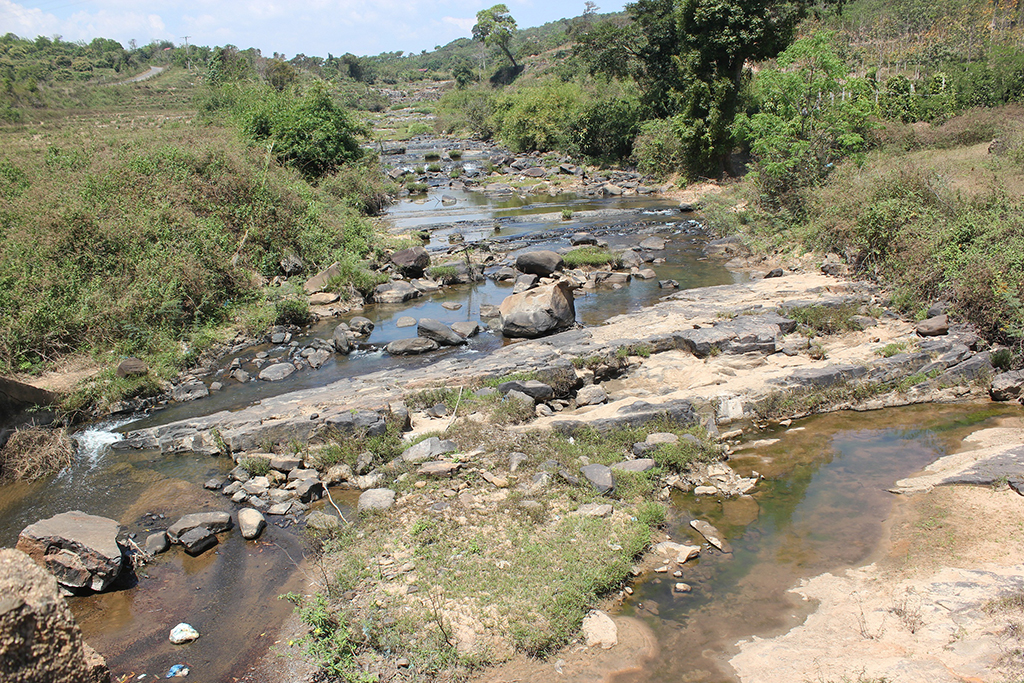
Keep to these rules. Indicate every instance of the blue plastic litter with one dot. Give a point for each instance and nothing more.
(177, 671)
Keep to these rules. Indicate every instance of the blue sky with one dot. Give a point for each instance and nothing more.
(313, 27)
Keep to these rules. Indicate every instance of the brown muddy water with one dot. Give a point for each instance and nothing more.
(821, 508)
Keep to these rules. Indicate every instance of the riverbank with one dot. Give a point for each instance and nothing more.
(941, 599)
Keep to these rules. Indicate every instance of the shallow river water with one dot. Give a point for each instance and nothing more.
(821, 507)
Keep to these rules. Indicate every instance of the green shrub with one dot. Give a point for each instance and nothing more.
(432, 156)
(566, 214)
(416, 188)
(657, 150)
(257, 467)
(537, 117)
(589, 256)
(434, 168)
(455, 154)
(825, 319)
(291, 312)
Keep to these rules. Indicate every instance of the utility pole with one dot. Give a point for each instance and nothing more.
(188, 61)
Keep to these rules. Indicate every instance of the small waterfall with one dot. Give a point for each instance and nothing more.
(94, 441)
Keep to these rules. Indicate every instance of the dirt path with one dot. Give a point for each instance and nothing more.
(153, 71)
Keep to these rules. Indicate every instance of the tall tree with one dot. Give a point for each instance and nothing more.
(495, 27)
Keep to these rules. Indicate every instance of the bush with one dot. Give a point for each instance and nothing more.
(657, 150)
(589, 256)
(310, 133)
(257, 467)
(537, 117)
(292, 312)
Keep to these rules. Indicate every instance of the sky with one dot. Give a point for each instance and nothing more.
(311, 27)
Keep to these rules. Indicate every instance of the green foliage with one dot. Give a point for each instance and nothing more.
(566, 214)
(256, 466)
(469, 110)
(496, 27)
(824, 319)
(891, 349)
(537, 117)
(896, 100)
(291, 312)
(657, 149)
(310, 133)
(330, 641)
(1002, 359)
(589, 256)
(811, 116)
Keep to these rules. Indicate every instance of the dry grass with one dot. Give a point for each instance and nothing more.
(35, 452)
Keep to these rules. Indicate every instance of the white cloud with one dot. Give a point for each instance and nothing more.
(463, 24)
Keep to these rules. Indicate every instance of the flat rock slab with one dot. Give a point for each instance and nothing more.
(438, 469)
(1000, 457)
(376, 499)
(276, 372)
(638, 465)
(411, 347)
(711, 534)
(594, 510)
(215, 522)
(81, 550)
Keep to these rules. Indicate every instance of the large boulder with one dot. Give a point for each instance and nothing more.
(340, 339)
(396, 292)
(542, 263)
(439, 332)
(79, 549)
(376, 499)
(251, 523)
(319, 281)
(933, 327)
(412, 261)
(276, 372)
(39, 639)
(538, 312)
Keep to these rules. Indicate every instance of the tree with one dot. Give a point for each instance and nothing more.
(495, 27)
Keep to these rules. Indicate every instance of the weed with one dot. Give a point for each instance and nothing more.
(825, 319)
(434, 168)
(1002, 359)
(817, 351)
(456, 172)
(256, 466)
(330, 641)
(432, 156)
(590, 256)
(908, 611)
(587, 361)
(292, 312)
(416, 188)
(455, 154)
(891, 349)
(35, 452)
(445, 274)
(566, 214)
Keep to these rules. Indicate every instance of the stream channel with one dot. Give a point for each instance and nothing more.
(821, 506)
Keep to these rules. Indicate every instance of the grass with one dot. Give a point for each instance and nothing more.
(445, 274)
(590, 256)
(35, 452)
(893, 348)
(819, 319)
(256, 466)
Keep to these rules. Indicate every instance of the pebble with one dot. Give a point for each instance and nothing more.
(183, 633)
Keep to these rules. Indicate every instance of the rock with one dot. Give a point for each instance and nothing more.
(611, 190)
(319, 281)
(1007, 386)
(213, 521)
(658, 438)
(337, 474)
(582, 238)
(323, 298)
(189, 391)
(309, 490)
(406, 321)
(369, 481)
(638, 465)
(937, 309)
(39, 639)
(489, 311)
(448, 200)
(544, 410)
(428, 449)
(535, 172)
(774, 272)
(400, 416)
(198, 540)
(291, 265)
(298, 474)
(668, 284)
(439, 332)
(362, 326)
(600, 477)
(157, 543)
(285, 463)
(705, 491)
(321, 521)
(682, 587)
(451, 305)
(376, 499)
(653, 243)
(599, 630)
(438, 469)
(411, 347)
(251, 523)
(525, 283)
(466, 329)
(594, 510)
(215, 484)
(412, 261)
(494, 480)
(538, 391)
(240, 375)
(538, 312)
(591, 395)
(80, 550)
(542, 263)
(395, 293)
(646, 274)
(357, 421)
(631, 259)
(834, 266)
(340, 340)
(132, 367)
(933, 327)
(516, 459)
(183, 633)
(711, 534)
(276, 372)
